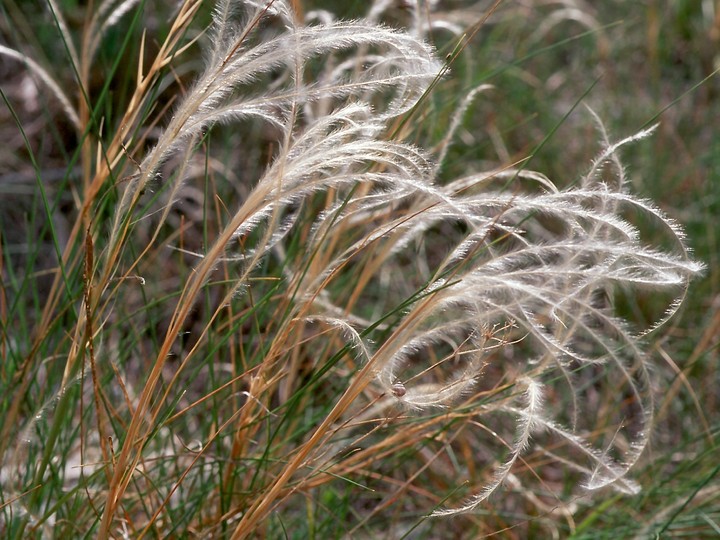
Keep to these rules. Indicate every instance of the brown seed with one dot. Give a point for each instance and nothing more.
(398, 389)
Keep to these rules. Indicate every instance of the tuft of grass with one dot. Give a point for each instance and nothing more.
(267, 281)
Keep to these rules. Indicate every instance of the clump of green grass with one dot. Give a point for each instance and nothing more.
(264, 305)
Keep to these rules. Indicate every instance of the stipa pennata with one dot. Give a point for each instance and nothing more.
(331, 271)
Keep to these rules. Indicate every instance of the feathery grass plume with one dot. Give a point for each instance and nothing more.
(404, 69)
(542, 266)
(340, 308)
(330, 152)
(538, 265)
